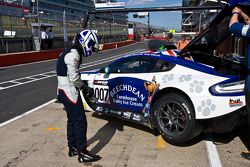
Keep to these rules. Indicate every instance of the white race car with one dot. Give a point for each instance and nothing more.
(178, 96)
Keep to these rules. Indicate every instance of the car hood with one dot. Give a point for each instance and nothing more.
(217, 30)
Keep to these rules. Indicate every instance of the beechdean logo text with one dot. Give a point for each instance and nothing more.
(235, 103)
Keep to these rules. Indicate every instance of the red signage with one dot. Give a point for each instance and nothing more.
(26, 10)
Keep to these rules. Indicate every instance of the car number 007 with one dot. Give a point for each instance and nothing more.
(101, 94)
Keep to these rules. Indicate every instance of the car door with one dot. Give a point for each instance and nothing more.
(120, 90)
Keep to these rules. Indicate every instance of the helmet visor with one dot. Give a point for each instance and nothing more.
(92, 44)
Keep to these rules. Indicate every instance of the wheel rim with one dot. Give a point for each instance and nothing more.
(173, 118)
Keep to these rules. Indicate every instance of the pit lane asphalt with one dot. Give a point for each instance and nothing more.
(39, 139)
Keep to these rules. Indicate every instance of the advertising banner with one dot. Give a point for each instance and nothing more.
(110, 5)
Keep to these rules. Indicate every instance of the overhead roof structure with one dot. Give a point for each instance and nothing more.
(154, 9)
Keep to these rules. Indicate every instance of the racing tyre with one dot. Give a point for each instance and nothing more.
(175, 119)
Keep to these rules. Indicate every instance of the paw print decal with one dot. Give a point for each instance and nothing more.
(185, 78)
(168, 78)
(196, 86)
(206, 107)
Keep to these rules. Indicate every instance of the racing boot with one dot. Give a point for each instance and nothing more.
(72, 152)
(246, 154)
(87, 157)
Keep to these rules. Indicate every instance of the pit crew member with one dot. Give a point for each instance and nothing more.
(243, 31)
(69, 84)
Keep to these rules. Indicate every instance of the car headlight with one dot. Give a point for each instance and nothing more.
(228, 89)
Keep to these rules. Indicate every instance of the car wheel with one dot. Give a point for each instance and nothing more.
(175, 119)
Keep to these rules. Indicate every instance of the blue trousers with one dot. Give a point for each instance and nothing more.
(76, 124)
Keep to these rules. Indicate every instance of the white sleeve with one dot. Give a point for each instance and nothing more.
(72, 62)
(42, 35)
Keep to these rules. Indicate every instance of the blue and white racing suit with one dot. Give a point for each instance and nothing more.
(68, 83)
(68, 73)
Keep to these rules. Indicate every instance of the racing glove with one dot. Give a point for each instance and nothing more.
(88, 92)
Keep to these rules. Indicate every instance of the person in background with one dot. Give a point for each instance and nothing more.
(242, 30)
(69, 85)
(50, 38)
(182, 43)
(44, 38)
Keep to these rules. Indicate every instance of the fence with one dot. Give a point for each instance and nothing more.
(22, 40)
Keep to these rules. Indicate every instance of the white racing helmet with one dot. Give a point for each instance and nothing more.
(87, 42)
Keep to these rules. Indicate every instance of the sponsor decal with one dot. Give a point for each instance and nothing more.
(100, 82)
(128, 88)
(126, 100)
(126, 93)
(235, 103)
(126, 115)
(136, 117)
(115, 112)
(100, 109)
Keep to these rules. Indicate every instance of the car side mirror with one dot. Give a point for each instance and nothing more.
(107, 71)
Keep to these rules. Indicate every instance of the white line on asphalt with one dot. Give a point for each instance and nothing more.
(15, 82)
(18, 84)
(26, 113)
(213, 155)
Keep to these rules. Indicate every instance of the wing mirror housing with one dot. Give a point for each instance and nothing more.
(107, 71)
